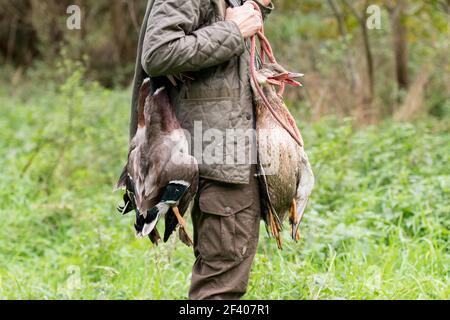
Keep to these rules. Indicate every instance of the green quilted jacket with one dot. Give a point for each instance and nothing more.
(213, 101)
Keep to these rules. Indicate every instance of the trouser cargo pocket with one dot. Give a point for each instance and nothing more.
(228, 223)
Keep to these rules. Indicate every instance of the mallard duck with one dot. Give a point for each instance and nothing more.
(160, 177)
(286, 177)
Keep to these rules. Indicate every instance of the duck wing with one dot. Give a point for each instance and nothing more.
(180, 169)
(266, 202)
(304, 190)
(137, 141)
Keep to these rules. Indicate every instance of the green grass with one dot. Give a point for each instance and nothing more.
(376, 228)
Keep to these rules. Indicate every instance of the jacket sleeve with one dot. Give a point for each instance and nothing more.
(172, 46)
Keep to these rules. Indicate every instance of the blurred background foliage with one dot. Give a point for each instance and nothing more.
(400, 70)
(374, 113)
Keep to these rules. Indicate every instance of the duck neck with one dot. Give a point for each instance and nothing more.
(162, 116)
(143, 94)
(141, 117)
(169, 121)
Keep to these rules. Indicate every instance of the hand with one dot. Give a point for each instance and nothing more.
(247, 18)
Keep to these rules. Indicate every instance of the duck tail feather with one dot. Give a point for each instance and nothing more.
(122, 182)
(154, 237)
(152, 218)
(170, 225)
(128, 204)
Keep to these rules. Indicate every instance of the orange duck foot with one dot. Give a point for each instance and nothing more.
(184, 236)
(275, 230)
(294, 220)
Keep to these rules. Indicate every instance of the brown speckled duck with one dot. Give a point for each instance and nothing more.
(286, 177)
(160, 177)
(285, 173)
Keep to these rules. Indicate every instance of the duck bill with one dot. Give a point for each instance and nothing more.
(286, 78)
(293, 83)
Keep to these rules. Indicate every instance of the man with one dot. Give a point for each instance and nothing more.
(203, 43)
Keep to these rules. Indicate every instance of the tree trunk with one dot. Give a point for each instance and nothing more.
(360, 16)
(400, 45)
(349, 53)
(367, 114)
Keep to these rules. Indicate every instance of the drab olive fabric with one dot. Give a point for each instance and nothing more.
(226, 220)
(191, 37)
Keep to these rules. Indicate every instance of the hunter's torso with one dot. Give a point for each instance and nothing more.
(216, 107)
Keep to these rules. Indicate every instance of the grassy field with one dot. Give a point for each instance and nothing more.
(377, 226)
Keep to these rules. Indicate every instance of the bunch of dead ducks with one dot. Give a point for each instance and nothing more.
(157, 186)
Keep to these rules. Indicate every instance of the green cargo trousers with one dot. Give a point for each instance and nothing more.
(226, 219)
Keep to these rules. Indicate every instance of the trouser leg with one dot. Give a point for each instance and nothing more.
(226, 221)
